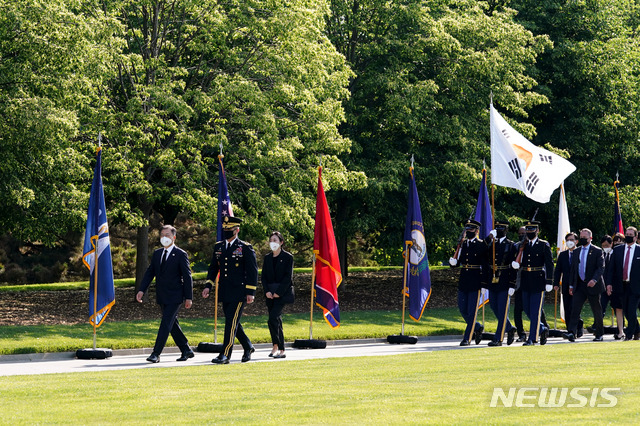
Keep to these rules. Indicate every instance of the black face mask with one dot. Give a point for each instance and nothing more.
(521, 237)
(501, 233)
(471, 235)
(227, 234)
(628, 239)
(531, 235)
(583, 241)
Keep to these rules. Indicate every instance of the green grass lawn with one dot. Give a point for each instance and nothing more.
(141, 334)
(442, 387)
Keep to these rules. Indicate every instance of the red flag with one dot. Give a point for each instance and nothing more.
(328, 275)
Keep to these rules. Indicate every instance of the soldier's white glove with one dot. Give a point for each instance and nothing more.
(493, 233)
(548, 288)
(515, 265)
(453, 261)
(512, 291)
(484, 292)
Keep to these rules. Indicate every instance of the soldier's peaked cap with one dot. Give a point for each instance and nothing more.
(502, 223)
(472, 224)
(532, 225)
(230, 222)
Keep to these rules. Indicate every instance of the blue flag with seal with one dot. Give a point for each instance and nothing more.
(224, 202)
(417, 275)
(484, 215)
(97, 251)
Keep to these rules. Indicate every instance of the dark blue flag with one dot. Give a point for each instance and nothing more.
(484, 215)
(417, 275)
(617, 216)
(97, 246)
(224, 203)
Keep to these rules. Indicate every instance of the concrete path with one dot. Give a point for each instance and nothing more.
(28, 364)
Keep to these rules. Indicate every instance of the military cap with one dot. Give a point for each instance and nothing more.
(502, 224)
(472, 224)
(532, 225)
(230, 222)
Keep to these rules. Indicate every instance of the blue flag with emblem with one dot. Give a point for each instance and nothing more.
(224, 203)
(97, 251)
(417, 275)
(485, 217)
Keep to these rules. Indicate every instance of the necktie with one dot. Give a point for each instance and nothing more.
(583, 262)
(625, 268)
(164, 257)
(570, 253)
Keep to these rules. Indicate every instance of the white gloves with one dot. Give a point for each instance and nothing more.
(453, 261)
(512, 291)
(515, 265)
(493, 233)
(484, 292)
(548, 288)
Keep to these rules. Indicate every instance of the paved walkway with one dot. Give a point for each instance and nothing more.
(27, 364)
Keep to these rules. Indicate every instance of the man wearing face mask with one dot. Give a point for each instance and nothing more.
(170, 267)
(624, 273)
(235, 260)
(561, 277)
(586, 283)
(472, 259)
(536, 273)
(502, 286)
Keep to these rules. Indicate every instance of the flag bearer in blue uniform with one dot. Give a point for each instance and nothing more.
(536, 276)
(502, 283)
(472, 258)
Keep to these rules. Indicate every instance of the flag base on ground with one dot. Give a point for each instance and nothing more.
(209, 347)
(488, 336)
(309, 344)
(556, 333)
(402, 339)
(98, 353)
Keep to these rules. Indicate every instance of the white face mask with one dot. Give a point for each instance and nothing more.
(166, 241)
(274, 246)
(607, 250)
(570, 244)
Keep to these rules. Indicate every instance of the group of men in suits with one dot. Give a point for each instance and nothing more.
(524, 270)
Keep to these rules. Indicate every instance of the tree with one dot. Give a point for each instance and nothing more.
(258, 77)
(425, 71)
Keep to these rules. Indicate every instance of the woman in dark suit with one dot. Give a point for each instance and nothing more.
(277, 276)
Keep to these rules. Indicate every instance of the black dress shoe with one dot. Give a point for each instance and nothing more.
(598, 339)
(464, 343)
(185, 356)
(247, 354)
(477, 335)
(528, 343)
(618, 336)
(494, 343)
(221, 359)
(153, 358)
(280, 356)
(544, 336)
(522, 338)
(569, 336)
(511, 334)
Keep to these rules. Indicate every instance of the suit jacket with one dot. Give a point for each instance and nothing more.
(281, 275)
(475, 253)
(562, 271)
(594, 269)
(238, 271)
(536, 256)
(173, 278)
(615, 269)
(505, 254)
(607, 262)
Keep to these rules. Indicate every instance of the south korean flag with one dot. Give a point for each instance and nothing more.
(517, 163)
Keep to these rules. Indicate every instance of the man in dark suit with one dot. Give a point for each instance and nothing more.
(585, 282)
(561, 275)
(624, 273)
(536, 273)
(174, 285)
(503, 282)
(235, 261)
(472, 258)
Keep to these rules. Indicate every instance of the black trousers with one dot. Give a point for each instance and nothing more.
(632, 313)
(275, 306)
(170, 325)
(232, 327)
(580, 295)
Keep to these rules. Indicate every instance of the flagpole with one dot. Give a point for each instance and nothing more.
(95, 267)
(404, 285)
(313, 282)
(215, 312)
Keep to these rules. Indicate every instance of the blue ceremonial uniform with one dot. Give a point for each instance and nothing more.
(473, 264)
(499, 291)
(536, 271)
(238, 279)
